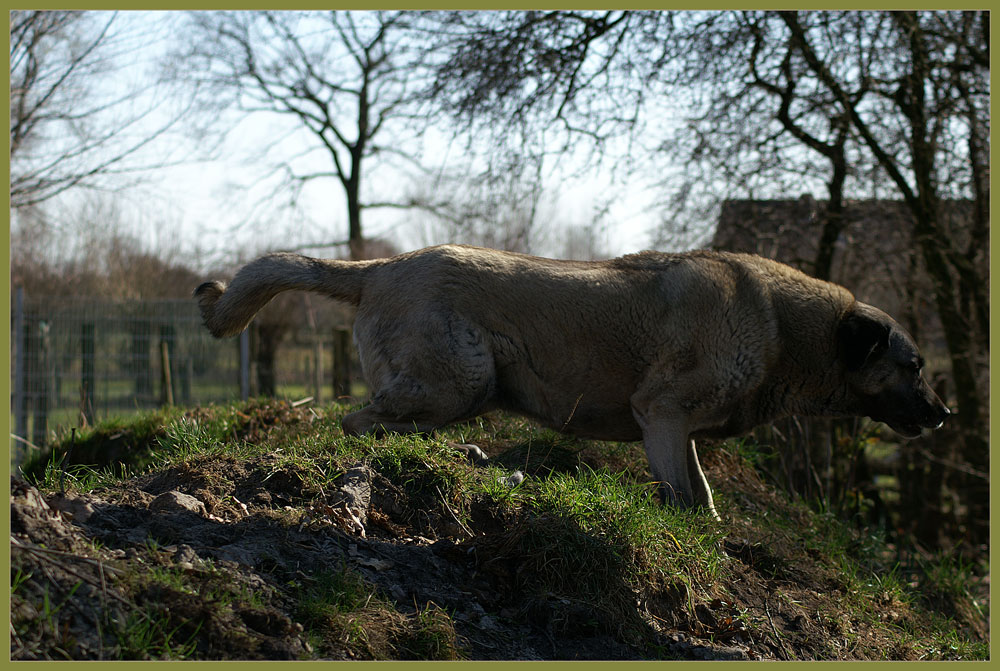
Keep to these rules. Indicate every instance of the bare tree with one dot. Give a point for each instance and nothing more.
(72, 123)
(494, 203)
(922, 89)
(768, 87)
(558, 69)
(903, 92)
(344, 78)
(886, 103)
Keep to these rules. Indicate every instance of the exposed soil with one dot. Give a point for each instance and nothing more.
(248, 539)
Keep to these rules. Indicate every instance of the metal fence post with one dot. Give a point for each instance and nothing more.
(245, 364)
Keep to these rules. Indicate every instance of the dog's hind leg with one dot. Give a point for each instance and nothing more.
(373, 419)
(423, 381)
(409, 414)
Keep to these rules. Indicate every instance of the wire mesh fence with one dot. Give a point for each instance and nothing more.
(76, 361)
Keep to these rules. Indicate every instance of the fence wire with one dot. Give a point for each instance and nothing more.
(77, 361)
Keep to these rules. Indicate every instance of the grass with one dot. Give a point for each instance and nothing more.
(150, 635)
(576, 545)
(343, 613)
(117, 403)
(127, 440)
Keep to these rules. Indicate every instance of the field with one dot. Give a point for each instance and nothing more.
(256, 530)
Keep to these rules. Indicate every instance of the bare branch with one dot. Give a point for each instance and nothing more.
(66, 129)
(340, 76)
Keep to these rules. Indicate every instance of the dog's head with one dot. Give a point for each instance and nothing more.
(883, 372)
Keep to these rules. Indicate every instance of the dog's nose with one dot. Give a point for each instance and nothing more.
(943, 414)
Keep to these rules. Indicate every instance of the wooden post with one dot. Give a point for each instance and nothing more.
(168, 336)
(167, 393)
(41, 359)
(317, 371)
(30, 369)
(341, 363)
(87, 341)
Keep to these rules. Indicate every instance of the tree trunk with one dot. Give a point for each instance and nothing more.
(833, 223)
(268, 340)
(958, 327)
(355, 241)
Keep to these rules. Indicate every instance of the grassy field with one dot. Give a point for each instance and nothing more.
(119, 403)
(555, 548)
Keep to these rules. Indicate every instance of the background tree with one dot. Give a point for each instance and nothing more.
(560, 70)
(919, 90)
(94, 252)
(342, 77)
(74, 121)
(538, 95)
(770, 102)
(755, 110)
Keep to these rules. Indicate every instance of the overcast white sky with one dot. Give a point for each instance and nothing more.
(226, 202)
(219, 209)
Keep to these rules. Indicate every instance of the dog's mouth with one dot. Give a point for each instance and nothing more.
(906, 430)
(915, 423)
(912, 429)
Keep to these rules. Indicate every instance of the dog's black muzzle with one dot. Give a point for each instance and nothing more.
(929, 413)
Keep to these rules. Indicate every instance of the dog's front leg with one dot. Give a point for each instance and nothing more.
(665, 437)
(672, 457)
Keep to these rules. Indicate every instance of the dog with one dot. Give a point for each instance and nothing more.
(659, 347)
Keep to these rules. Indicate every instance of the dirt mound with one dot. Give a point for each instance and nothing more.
(236, 555)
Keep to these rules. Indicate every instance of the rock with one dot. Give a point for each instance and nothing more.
(513, 480)
(174, 501)
(78, 508)
(706, 616)
(186, 554)
(237, 554)
(356, 487)
(30, 514)
(26, 495)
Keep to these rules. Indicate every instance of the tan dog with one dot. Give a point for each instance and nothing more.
(651, 346)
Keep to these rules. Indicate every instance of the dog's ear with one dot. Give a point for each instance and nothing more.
(860, 338)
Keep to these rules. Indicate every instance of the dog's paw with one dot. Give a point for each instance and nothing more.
(472, 452)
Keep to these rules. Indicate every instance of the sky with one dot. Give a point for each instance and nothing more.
(224, 209)
(228, 203)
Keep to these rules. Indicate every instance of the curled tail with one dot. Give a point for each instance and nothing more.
(227, 310)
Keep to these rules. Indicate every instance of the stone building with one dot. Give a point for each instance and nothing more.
(876, 256)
